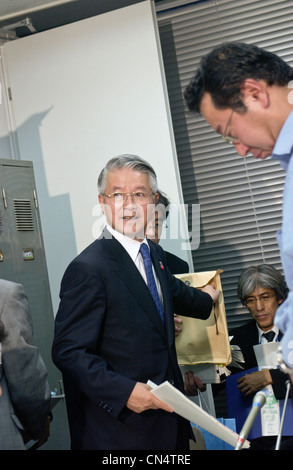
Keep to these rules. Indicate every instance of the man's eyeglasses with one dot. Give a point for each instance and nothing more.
(118, 199)
(251, 301)
(225, 138)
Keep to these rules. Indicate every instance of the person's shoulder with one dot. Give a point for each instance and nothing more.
(250, 325)
(6, 286)
(96, 255)
(176, 264)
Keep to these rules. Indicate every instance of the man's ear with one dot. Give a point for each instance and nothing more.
(101, 201)
(253, 91)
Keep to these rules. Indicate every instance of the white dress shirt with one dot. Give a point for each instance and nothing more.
(132, 247)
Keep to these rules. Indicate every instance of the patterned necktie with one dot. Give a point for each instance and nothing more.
(146, 256)
(269, 336)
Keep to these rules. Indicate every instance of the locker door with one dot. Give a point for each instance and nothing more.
(23, 258)
(22, 251)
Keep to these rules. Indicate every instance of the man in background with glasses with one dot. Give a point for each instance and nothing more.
(114, 329)
(246, 94)
(261, 289)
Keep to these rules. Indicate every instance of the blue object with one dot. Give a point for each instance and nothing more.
(239, 407)
(215, 443)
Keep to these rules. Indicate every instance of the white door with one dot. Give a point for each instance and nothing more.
(81, 94)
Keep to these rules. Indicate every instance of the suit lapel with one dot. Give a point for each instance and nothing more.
(130, 276)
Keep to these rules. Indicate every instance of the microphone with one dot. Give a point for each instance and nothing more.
(257, 403)
(278, 442)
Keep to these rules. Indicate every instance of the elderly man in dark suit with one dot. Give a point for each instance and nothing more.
(110, 338)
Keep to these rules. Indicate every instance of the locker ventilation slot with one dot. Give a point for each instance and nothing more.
(23, 215)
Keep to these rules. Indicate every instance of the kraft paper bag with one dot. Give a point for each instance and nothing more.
(204, 341)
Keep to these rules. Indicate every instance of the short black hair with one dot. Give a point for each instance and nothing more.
(222, 72)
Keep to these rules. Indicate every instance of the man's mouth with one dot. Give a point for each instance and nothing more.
(262, 316)
(129, 217)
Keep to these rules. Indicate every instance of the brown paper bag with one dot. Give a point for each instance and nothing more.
(204, 341)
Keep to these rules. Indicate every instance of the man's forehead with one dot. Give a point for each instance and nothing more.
(260, 290)
(128, 175)
(217, 118)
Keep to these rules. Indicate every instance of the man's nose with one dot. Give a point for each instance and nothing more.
(259, 304)
(129, 200)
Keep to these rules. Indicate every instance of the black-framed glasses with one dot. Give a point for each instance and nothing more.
(251, 301)
(137, 197)
(225, 138)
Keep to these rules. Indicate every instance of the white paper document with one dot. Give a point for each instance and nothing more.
(266, 355)
(207, 373)
(192, 412)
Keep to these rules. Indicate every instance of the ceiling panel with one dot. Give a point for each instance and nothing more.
(12, 8)
(46, 14)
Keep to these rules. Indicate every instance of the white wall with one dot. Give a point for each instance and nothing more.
(82, 94)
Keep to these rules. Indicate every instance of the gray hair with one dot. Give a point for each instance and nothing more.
(127, 161)
(265, 276)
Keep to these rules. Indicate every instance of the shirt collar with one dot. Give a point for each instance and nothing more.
(284, 144)
(131, 246)
(275, 329)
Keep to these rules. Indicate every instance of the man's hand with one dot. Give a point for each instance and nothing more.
(252, 383)
(142, 399)
(192, 384)
(177, 323)
(214, 293)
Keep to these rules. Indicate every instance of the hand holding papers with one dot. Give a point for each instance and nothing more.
(192, 412)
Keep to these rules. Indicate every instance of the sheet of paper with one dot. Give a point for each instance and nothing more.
(207, 373)
(266, 355)
(192, 412)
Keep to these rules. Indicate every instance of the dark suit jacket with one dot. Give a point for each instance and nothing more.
(108, 336)
(246, 337)
(176, 264)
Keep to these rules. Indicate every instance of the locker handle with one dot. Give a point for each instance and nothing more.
(35, 199)
(4, 198)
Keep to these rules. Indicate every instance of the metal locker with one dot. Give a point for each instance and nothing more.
(22, 259)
